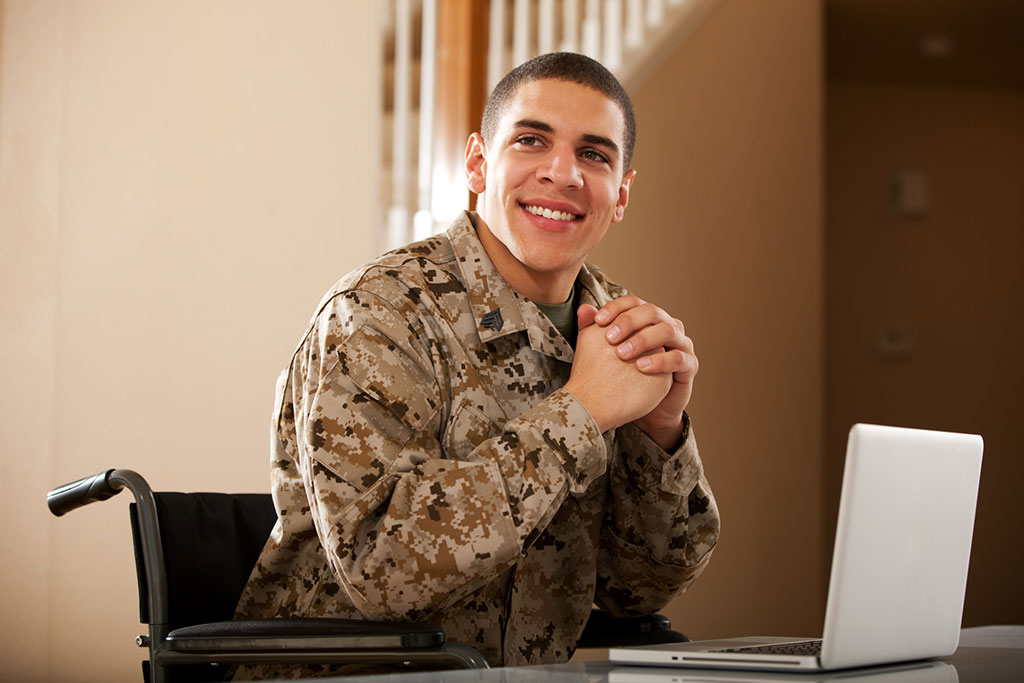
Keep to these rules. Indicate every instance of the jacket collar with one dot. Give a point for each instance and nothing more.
(499, 310)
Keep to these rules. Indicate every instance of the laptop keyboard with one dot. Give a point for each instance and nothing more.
(804, 648)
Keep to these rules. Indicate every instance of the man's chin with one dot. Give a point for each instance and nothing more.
(546, 266)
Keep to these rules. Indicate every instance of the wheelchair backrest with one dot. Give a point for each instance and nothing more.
(210, 542)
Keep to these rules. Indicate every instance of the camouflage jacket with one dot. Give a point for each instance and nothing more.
(427, 465)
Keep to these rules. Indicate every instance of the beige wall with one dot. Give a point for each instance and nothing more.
(950, 281)
(724, 229)
(162, 170)
(179, 183)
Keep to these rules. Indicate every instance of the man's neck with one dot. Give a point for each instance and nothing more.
(536, 287)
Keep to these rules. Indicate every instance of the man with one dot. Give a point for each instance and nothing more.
(482, 432)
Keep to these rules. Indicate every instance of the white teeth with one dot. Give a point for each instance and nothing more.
(548, 213)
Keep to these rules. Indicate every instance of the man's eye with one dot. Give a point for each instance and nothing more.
(594, 155)
(528, 140)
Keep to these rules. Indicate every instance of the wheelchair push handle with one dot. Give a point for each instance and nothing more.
(82, 492)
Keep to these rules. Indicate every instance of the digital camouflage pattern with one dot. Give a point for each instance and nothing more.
(427, 465)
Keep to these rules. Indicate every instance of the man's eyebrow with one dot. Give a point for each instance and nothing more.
(587, 137)
(536, 125)
(601, 140)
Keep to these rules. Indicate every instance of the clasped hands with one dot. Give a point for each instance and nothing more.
(633, 363)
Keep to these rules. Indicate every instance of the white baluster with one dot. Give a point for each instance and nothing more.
(634, 33)
(546, 27)
(612, 35)
(423, 222)
(520, 31)
(496, 45)
(655, 13)
(592, 30)
(398, 214)
(570, 26)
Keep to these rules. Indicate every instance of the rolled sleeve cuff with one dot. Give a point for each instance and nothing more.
(682, 468)
(676, 471)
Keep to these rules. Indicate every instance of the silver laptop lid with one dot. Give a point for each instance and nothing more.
(903, 539)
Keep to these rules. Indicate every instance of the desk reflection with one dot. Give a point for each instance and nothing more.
(987, 654)
(915, 672)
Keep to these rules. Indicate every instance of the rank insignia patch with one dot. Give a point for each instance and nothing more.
(493, 320)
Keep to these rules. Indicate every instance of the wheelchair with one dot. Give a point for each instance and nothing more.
(194, 553)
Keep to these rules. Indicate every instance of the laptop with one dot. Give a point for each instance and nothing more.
(899, 565)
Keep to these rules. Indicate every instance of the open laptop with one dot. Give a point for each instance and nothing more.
(899, 566)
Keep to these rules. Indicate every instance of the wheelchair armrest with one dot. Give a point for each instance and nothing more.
(604, 630)
(303, 634)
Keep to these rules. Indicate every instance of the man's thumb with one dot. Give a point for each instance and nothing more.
(585, 315)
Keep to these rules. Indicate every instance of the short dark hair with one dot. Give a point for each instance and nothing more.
(561, 66)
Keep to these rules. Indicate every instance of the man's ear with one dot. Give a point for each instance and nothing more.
(620, 205)
(476, 164)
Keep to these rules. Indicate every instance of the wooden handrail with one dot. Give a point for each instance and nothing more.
(461, 94)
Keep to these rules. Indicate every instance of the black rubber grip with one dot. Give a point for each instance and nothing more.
(82, 492)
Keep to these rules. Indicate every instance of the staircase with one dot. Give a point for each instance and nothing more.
(437, 47)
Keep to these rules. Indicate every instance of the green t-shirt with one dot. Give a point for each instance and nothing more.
(563, 316)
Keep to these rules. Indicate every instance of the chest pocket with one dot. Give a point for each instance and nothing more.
(467, 429)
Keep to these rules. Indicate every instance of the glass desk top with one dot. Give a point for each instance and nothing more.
(988, 654)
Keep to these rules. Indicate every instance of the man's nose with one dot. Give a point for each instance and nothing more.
(562, 168)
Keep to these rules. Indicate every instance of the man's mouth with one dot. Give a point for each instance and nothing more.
(553, 215)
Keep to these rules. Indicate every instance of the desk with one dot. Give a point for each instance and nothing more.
(987, 654)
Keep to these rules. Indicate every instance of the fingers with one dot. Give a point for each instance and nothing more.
(651, 337)
(644, 329)
(681, 364)
(625, 316)
(646, 333)
(611, 310)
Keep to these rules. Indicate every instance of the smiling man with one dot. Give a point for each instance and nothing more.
(483, 432)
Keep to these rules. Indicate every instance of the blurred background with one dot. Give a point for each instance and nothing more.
(830, 195)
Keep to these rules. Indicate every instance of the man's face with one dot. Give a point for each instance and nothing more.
(552, 182)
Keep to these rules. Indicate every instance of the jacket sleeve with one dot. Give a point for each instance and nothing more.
(661, 528)
(405, 529)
